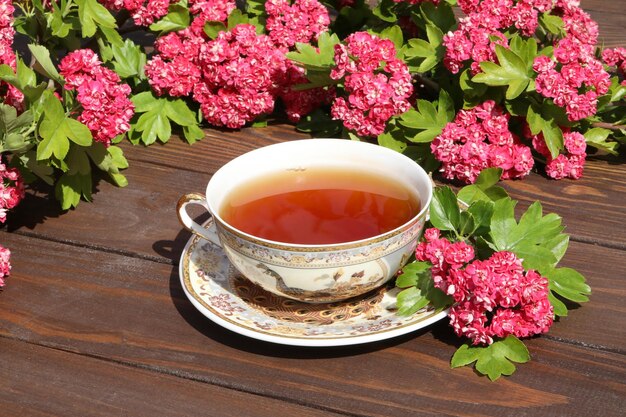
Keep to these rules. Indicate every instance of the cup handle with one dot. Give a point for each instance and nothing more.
(188, 222)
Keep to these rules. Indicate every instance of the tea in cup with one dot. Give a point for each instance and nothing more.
(316, 220)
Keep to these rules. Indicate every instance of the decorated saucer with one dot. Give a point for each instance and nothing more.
(226, 297)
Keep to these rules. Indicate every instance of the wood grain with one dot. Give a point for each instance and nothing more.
(133, 311)
(40, 381)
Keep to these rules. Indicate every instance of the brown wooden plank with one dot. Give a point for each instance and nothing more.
(40, 381)
(611, 19)
(133, 310)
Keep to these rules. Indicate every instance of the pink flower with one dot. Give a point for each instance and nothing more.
(479, 138)
(144, 12)
(566, 165)
(12, 96)
(498, 288)
(106, 108)
(302, 21)
(378, 85)
(239, 74)
(299, 103)
(11, 189)
(5, 264)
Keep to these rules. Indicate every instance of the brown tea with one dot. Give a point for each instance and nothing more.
(319, 206)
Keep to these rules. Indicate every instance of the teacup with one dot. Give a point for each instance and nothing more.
(313, 273)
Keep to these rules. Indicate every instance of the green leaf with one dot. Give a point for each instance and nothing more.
(420, 290)
(484, 188)
(534, 256)
(553, 135)
(553, 24)
(557, 245)
(46, 67)
(481, 212)
(537, 239)
(494, 360)
(597, 136)
(57, 129)
(423, 56)
(544, 122)
(471, 88)
(25, 75)
(525, 49)
(502, 222)
(511, 71)
(60, 28)
(410, 301)
(430, 120)
(129, 60)
(444, 209)
(411, 273)
(440, 16)
(117, 157)
(43, 171)
(394, 34)
(69, 189)
(384, 10)
(320, 124)
(176, 19)
(158, 113)
(388, 140)
(78, 161)
(212, 29)
(93, 15)
(316, 58)
(179, 112)
(236, 18)
(112, 35)
(193, 133)
(569, 284)
(144, 102)
(560, 309)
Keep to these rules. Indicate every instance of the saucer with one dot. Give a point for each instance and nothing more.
(229, 299)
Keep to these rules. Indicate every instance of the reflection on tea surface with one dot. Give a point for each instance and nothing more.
(320, 206)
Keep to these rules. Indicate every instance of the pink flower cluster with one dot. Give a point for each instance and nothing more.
(239, 69)
(175, 69)
(493, 297)
(5, 264)
(482, 29)
(12, 96)
(144, 12)
(239, 75)
(11, 190)
(301, 21)
(377, 83)
(616, 57)
(209, 11)
(473, 41)
(479, 138)
(566, 165)
(574, 79)
(299, 103)
(107, 110)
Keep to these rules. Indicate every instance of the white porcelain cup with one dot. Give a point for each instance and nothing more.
(313, 273)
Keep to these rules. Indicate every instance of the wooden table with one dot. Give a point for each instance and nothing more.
(94, 321)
